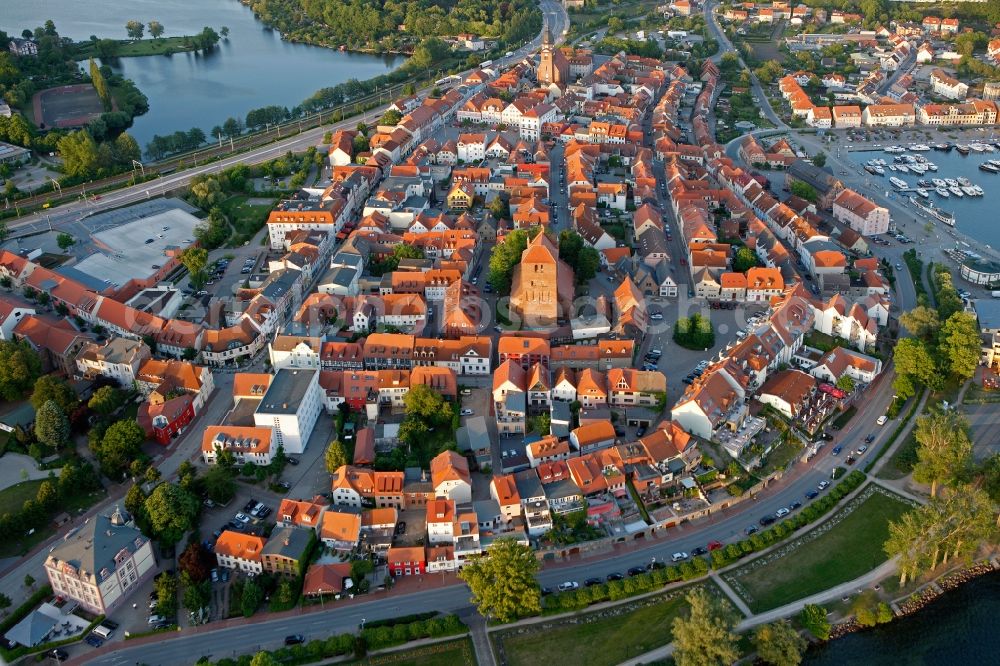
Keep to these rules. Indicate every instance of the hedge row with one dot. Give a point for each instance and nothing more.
(662, 575)
(388, 633)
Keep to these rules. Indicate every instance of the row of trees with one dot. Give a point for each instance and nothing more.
(584, 259)
(75, 479)
(946, 343)
(178, 142)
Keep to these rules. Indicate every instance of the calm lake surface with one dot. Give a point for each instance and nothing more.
(960, 627)
(975, 217)
(253, 68)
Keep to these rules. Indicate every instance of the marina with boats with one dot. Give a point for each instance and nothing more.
(932, 186)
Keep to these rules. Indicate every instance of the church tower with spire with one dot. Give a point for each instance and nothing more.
(553, 67)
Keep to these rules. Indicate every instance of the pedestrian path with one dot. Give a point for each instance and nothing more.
(729, 592)
(834, 593)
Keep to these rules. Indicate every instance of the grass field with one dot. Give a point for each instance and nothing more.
(144, 47)
(847, 550)
(247, 219)
(449, 653)
(607, 641)
(902, 460)
(13, 498)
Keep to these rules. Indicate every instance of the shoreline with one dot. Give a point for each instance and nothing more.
(919, 600)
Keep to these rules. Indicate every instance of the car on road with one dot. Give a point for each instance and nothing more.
(591, 582)
(861, 450)
(823, 485)
(881, 420)
(546, 591)
(93, 640)
(293, 461)
(284, 485)
(795, 505)
(295, 639)
(752, 529)
(656, 316)
(467, 412)
(679, 557)
(836, 450)
(699, 551)
(568, 585)
(714, 545)
(215, 575)
(636, 571)
(870, 438)
(156, 619)
(688, 380)
(812, 494)
(640, 431)
(767, 520)
(782, 512)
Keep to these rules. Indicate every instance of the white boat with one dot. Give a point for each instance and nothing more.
(920, 147)
(938, 214)
(995, 163)
(919, 169)
(978, 147)
(879, 171)
(895, 149)
(957, 191)
(963, 181)
(903, 168)
(937, 182)
(923, 193)
(951, 182)
(893, 167)
(930, 166)
(942, 192)
(978, 191)
(898, 182)
(969, 191)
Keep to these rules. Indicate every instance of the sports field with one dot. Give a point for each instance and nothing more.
(66, 106)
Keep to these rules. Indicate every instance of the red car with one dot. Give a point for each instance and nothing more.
(714, 545)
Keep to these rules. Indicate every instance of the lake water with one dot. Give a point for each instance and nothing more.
(975, 217)
(253, 68)
(959, 627)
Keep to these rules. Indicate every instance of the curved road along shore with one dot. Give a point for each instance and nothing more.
(446, 593)
(553, 15)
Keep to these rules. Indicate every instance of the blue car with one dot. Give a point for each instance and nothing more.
(837, 450)
(93, 640)
(812, 494)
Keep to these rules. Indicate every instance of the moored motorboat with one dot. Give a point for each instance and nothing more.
(957, 191)
(942, 192)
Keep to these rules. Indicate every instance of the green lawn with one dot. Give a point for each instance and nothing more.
(902, 460)
(607, 641)
(247, 219)
(849, 549)
(143, 47)
(449, 653)
(12, 499)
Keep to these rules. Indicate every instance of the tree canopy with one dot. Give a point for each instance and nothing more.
(704, 636)
(56, 389)
(172, 511)
(335, 456)
(944, 450)
(779, 643)
(19, 368)
(581, 257)
(51, 425)
(502, 581)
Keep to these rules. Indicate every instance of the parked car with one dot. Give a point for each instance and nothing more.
(636, 571)
(812, 494)
(467, 412)
(614, 576)
(752, 529)
(766, 520)
(656, 316)
(862, 449)
(714, 545)
(295, 639)
(590, 582)
(782, 512)
(401, 527)
(679, 557)
(293, 461)
(795, 505)
(870, 438)
(215, 575)
(58, 654)
(568, 585)
(699, 551)
(836, 450)
(93, 640)
(823, 485)
(881, 420)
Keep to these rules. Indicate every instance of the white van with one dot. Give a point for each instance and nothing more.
(882, 420)
(102, 631)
